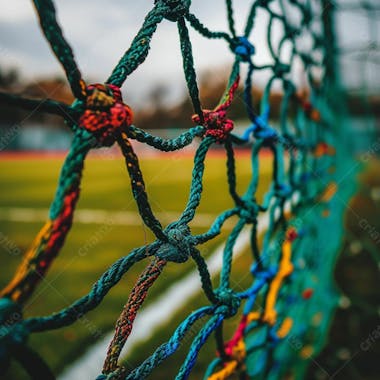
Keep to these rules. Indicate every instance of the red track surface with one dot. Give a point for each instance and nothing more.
(148, 153)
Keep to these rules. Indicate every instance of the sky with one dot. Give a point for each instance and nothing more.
(99, 32)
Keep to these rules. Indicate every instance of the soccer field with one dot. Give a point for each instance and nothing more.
(106, 227)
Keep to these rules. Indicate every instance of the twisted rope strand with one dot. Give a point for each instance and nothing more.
(284, 259)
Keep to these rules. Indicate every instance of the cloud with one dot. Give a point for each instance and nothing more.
(100, 31)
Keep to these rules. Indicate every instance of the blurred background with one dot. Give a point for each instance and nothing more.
(33, 146)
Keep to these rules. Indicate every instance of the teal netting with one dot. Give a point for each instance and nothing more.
(286, 311)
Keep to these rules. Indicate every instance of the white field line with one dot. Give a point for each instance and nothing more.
(97, 216)
(156, 314)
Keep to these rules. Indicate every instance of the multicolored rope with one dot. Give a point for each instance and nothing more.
(292, 293)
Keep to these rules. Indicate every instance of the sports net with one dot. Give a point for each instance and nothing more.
(285, 312)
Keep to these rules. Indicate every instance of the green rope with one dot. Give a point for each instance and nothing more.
(291, 292)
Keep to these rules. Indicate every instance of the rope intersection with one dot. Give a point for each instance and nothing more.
(291, 277)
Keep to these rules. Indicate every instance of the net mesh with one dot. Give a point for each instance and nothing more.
(285, 312)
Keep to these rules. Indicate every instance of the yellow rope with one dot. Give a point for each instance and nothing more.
(286, 267)
(12, 290)
(285, 327)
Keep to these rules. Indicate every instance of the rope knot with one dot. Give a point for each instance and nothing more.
(173, 10)
(261, 129)
(105, 112)
(249, 210)
(12, 331)
(280, 69)
(242, 48)
(228, 301)
(265, 274)
(283, 191)
(179, 243)
(216, 124)
(291, 31)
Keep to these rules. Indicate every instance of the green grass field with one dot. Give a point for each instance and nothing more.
(30, 184)
(357, 277)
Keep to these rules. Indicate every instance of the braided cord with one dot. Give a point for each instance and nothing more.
(125, 322)
(285, 267)
(138, 50)
(188, 66)
(62, 50)
(52, 236)
(204, 31)
(138, 186)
